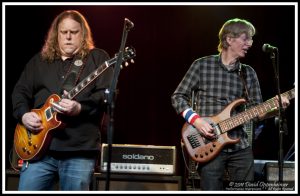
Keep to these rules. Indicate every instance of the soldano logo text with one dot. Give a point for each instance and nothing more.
(138, 156)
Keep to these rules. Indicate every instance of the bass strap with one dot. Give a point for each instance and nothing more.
(242, 74)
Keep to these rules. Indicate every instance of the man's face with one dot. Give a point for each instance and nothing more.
(240, 45)
(69, 37)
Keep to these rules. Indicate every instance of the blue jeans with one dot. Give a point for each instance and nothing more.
(239, 165)
(73, 173)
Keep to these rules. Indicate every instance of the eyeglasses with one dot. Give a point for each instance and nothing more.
(246, 39)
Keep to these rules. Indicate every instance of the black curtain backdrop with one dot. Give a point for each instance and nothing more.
(167, 39)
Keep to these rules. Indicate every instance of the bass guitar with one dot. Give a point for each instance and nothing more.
(202, 149)
(30, 146)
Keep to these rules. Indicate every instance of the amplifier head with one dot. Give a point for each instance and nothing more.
(146, 159)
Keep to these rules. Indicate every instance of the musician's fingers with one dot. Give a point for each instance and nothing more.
(210, 134)
(285, 102)
(210, 127)
(35, 128)
(65, 93)
(66, 104)
(58, 108)
(36, 123)
(36, 117)
(207, 132)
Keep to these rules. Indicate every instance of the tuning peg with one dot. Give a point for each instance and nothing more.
(131, 61)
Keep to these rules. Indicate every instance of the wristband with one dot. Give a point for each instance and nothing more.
(190, 116)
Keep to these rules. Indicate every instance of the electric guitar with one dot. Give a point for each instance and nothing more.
(30, 146)
(202, 149)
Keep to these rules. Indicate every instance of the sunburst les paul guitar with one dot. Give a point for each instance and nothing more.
(31, 146)
(202, 149)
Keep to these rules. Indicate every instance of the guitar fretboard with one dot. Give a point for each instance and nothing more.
(90, 78)
(253, 112)
(128, 54)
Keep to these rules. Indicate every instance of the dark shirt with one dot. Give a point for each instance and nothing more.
(41, 79)
(215, 87)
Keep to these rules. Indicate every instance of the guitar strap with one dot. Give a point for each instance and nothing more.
(249, 125)
(242, 74)
(73, 74)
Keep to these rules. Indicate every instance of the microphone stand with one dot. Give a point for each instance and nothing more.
(111, 94)
(281, 120)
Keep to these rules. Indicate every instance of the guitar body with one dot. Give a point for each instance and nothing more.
(202, 149)
(30, 146)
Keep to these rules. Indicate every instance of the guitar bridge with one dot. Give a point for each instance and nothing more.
(193, 140)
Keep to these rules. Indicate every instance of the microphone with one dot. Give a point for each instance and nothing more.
(128, 23)
(268, 48)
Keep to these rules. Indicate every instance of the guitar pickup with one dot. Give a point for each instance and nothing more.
(48, 113)
(217, 129)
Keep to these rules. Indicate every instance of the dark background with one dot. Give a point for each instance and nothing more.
(167, 40)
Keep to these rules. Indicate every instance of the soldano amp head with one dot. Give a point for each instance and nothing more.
(142, 159)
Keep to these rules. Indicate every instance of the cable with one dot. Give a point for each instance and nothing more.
(289, 154)
(11, 162)
(188, 168)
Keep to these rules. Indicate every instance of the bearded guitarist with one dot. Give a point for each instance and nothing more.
(68, 128)
(221, 81)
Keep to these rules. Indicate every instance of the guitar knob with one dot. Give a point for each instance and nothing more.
(35, 146)
(29, 143)
(206, 153)
(24, 149)
(28, 152)
(211, 150)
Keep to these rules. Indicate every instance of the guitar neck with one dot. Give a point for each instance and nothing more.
(90, 78)
(253, 112)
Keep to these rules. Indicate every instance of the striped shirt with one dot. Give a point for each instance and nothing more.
(215, 87)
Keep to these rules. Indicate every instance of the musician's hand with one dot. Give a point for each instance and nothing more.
(204, 127)
(284, 101)
(68, 107)
(32, 122)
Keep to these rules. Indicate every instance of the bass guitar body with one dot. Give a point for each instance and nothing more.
(202, 149)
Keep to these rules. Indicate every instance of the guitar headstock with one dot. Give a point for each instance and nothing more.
(129, 54)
